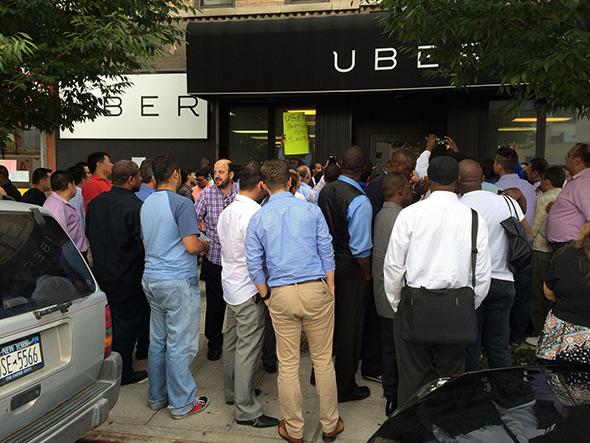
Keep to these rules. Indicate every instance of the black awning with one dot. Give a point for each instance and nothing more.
(301, 56)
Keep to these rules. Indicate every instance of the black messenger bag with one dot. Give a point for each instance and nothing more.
(520, 248)
(442, 316)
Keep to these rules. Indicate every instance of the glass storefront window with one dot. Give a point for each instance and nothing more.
(508, 129)
(564, 130)
(310, 118)
(23, 154)
(248, 134)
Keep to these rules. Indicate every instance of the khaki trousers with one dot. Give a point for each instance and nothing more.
(307, 306)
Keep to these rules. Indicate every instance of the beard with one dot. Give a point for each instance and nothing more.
(223, 184)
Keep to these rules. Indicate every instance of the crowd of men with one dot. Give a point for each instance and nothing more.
(332, 253)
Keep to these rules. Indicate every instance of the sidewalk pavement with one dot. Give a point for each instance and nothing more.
(131, 420)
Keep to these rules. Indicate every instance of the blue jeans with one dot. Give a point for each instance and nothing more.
(174, 342)
(493, 318)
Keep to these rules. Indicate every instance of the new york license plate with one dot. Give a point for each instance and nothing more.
(19, 358)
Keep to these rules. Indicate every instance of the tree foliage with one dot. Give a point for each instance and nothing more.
(53, 53)
(536, 49)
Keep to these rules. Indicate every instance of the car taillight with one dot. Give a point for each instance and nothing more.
(108, 331)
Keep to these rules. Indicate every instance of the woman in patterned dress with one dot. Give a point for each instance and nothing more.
(566, 335)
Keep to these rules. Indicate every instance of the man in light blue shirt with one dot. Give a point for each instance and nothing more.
(305, 174)
(148, 182)
(169, 231)
(289, 239)
(349, 215)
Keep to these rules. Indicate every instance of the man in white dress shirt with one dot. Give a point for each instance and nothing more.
(493, 316)
(244, 334)
(430, 247)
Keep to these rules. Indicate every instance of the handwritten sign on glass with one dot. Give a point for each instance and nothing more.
(296, 139)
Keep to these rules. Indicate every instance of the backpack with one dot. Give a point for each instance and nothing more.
(520, 247)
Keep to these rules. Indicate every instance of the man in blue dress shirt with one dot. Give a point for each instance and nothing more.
(289, 239)
(349, 214)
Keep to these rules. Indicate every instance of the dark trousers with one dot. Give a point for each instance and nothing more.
(351, 299)
(127, 316)
(419, 363)
(215, 311)
(521, 310)
(269, 346)
(539, 304)
(390, 374)
(143, 335)
(493, 318)
(371, 351)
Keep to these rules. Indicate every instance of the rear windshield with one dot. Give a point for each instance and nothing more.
(39, 265)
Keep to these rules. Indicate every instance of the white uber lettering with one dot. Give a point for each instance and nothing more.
(352, 63)
(425, 64)
(391, 58)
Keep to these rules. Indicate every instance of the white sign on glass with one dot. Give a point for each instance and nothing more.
(156, 106)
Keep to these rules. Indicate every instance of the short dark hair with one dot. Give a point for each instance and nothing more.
(202, 173)
(507, 158)
(539, 165)
(77, 172)
(82, 164)
(582, 152)
(392, 183)
(555, 175)
(39, 174)
(3, 171)
(164, 167)
(331, 173)
(94, 159)
(122, 170)
(353, 160)
(184, 173)
(275, 173)
(443, 170)
(250, 175)
(60, 180)
(147, 170)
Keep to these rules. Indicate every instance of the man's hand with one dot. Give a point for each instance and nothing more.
(547, 208)
(430, 142)
(202, 226)
(3, 192)
(451, 144)
(415, 179)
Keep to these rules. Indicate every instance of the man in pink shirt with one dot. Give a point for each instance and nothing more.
(63, 190)
(100, 165)
(571, 209)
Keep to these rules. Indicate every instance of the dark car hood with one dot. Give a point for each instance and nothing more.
(537, 404)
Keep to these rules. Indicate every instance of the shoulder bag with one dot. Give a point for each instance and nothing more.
(442, 316)
(520, 248)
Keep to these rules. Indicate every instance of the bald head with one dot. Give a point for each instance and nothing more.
(223, 175)
(470, 176)
(353, 161)
(403, 162)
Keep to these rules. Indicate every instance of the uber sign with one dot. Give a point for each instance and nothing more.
(332, 54)
(156, 106)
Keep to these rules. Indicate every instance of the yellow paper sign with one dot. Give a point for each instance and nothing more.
(295, 133)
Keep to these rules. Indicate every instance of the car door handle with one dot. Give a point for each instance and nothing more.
(63, 307)
(25, 397)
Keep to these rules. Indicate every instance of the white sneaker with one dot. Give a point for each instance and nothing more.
(532, 341)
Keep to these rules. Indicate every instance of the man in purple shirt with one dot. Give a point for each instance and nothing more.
(63, 190)
(571, 210)
(212, 201)
(506, 160)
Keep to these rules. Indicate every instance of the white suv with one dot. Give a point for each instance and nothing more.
(58, 377)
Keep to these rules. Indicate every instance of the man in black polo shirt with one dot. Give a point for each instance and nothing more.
(36, 195)
(113, 229)
(7, 185)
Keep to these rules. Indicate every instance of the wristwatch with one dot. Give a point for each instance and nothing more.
(267, 296)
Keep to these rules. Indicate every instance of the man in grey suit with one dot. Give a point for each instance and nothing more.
(397, 195)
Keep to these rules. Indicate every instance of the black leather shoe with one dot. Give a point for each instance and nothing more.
(136, 377)
(358, 393)
(261, 422)
(256, 393)
(390, 407)
(213, 354)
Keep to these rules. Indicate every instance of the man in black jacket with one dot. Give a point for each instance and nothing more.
(113, 229)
